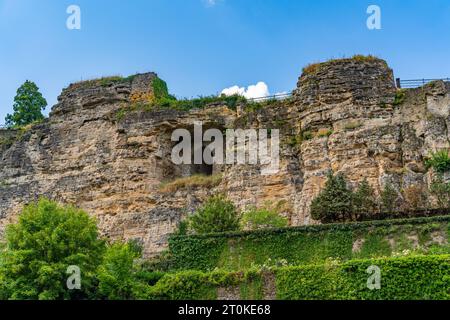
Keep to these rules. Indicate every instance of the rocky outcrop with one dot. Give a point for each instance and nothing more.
(100, 153)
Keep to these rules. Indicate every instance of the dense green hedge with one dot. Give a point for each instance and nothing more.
(301, 245)
(404, 278)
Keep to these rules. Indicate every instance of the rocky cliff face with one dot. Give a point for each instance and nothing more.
(346, 115)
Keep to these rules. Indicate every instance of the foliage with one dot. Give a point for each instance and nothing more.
(315, 67)
(402, 278)
(307, 135)
(301, 245)
(119, 277)
(28, 106)
(262, 218)
(334, 203)
(216, 215)
(47, 240)
(400, 96)
(199, 103)
(191, 182)
(405, 278)
(388, 198)
(160, 89)
(439, 161)
(364, 201)
(441, 191)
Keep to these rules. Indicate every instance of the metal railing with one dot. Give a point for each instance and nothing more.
(415, 83)
(273, 97)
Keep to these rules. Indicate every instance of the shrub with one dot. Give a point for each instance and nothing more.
(305, 244)
(399, 97)
(119, 276)
(364, 202)
(439, 161)
(307, 135)
(403, 278)
(216, 215)
(262, 218)
(47, 239)
(441, 191)
(334, 203)
(388, 199)
(160, 89)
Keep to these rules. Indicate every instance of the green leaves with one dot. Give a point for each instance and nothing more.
(388, 198)
(306, 244)
(216, 215)
(439, 161)
(334, 203)
(263, 218)
(117, 274)
(441, 191)
(28, 106)
(47, 239)
(405, 278)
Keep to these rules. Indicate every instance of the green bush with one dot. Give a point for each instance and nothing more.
(364, 201)
(441, 191)
(160, 89)
(403, 278)
(47, 239)
(439, 161)
(303, 245)
(388, 199)
(400, 97)
(262, 218)
(119, 276)
(334, 203)
(216, 215)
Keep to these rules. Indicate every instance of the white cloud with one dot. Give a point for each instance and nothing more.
(258, 90)
(210, 3)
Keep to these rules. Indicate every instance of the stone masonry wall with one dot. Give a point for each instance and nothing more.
(84, 154)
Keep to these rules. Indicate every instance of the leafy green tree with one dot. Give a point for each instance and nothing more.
(47, 239)
(334, 203)
(441, 191)
(217, 215)
(388, 198)
(119, 275)
(28, 106)
(262, 218)
(364, 201)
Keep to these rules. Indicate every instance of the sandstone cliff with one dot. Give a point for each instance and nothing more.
(345, 115)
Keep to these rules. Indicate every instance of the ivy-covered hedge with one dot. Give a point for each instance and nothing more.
(304, 245)
(403, 278)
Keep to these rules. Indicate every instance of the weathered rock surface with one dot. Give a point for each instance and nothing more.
(112, 167)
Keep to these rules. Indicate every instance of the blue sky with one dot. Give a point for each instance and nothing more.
(202, 46)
